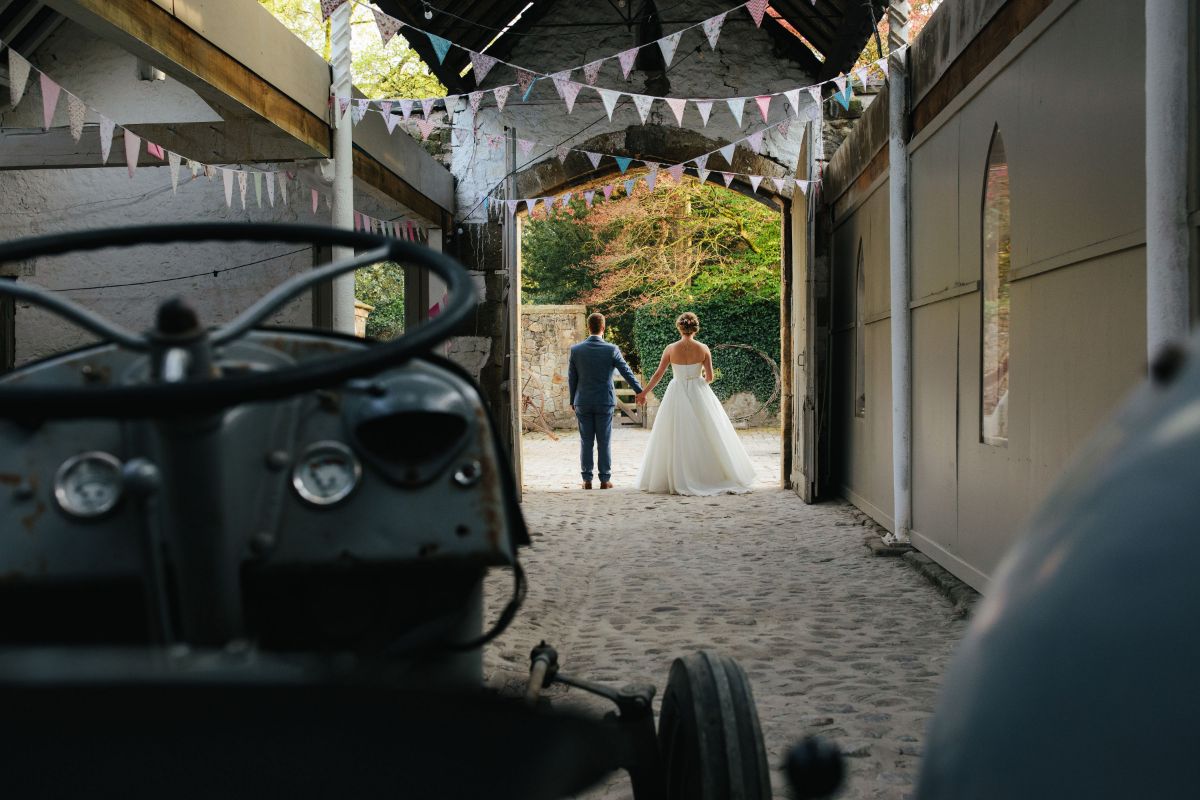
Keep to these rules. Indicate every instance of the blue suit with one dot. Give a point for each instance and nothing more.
(590, 382)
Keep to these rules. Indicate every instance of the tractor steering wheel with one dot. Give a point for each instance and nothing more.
(161, 400)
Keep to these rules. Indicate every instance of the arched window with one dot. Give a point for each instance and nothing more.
(997, 254)
(860, 343)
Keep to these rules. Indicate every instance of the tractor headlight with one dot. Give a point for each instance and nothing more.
(326, 473)
(89, 485)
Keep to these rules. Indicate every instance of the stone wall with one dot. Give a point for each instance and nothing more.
(547, 333)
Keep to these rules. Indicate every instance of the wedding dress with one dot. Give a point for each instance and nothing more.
(693, 447)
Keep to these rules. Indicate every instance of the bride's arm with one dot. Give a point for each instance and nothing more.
(663, 363)
(708, 367)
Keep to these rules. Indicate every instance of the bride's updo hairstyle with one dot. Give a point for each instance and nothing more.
(688, 323)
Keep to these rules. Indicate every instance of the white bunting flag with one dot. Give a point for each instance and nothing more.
(501, 95)
(677, 105)
(525, 146)
(591, 71)
(610, 99)
(705, 108)
(727, 152)
(174, 159)
(512, 206)
(712, 29)
(133, 146)
(840, 83)
(548, 203)
(793, 97)
(626, 58)
(757, 8)
(755, 180)
(258, 188)
(643, 103)
(652, 177)
(594, 158)
(18, 76)
(736, 106)
(802, 186)
(861, 73)
(406, 107)
(883, 66)
(780, 183)
(388, 26)
(271, 189)
(755, 141)
(764, 105)
(195, 168)
(210, 171)
(702, 174)
(815, 92)
(242, 181)
(227, 179)
(530, 205)
(481, 65)
(701, 161)
(676, 172)
(106, 137)
(473, 100)
(359, 111)
(668, 44)
(77, 112)
(50, 92)
(562, 151)
(391, 120)
(727, 177)
(570, 92)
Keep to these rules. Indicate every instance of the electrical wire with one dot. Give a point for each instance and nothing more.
(600, 27)
(213, 272)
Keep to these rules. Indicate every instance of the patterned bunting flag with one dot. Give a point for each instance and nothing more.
(561, 79)
(712, 29)
(676, 172)
(343, 105)
(174, 160)
(643, 103)
(668, 44)
(316, 198)
(440, 46)
(501, 95)
(755, 180)
(629, 187)
(524, 145)
(570, 92)
(594, 158)
(736, 106)
(425, 126)
(702, 174)
(793, 97)
(406, 107)
(610, 99)
(705, 108)
(389, 119)
(427, 106)
(652, 178)
(727, 153)
(50, 92)
(815, 92)
(359, 111)
(242, 180)
(764, 105)
(258, 188)
(133, 146)
(227, 179)
(728, 178)
(388, 26)
(481, 65)
(755, 140)
(77, 112)
(562, 151)
(677, 105)
(757, 8)
(18, 76)
(840, 83)
(588, 196)
(701, 161)
(451, 105)
(623, 163)
(566, 198)
(494, 141)
(592, 71)
(512, 206)
(473, 100)
(626, 58)
(524, 80)
(330, 6)
(883, 66)
(608, 191)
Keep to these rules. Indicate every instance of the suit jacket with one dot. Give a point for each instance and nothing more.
(590, 373)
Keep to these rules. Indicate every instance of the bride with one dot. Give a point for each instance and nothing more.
(693, 447)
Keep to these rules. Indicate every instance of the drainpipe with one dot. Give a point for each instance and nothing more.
(898, 254)
(343, 167)
(1167, 313)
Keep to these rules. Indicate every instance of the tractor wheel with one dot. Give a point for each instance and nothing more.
(708, 732)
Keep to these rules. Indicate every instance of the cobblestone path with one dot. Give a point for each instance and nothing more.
(834, 641)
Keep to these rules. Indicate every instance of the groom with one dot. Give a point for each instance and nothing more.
(592, 398)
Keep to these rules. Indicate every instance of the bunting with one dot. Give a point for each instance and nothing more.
(757, 8)
(764, 106)
(643, 102)
(501, 95)
(627, 58)
(736, 106)
(440, 46)
(77, 112)
(481, 65)
(50, 92)
(610, 101)
(388, 26)
(668, 44)
(712, 29)
(677, 105)
(330, 6)
(18, 76)
(591, 71)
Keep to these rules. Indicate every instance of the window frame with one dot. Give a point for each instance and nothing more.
(995, 270)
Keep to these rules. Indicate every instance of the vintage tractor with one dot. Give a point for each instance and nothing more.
(248, 561)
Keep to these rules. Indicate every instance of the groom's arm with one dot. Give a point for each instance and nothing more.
(626, 372)
(572, 379)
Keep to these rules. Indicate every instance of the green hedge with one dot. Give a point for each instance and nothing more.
(726, 320)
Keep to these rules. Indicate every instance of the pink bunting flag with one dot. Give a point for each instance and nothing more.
(271, 189)
(512, 207)
(705, 109)
(594, 158)
(227, 179)
(562, 151)
(570, 92)
(764, 105)
(18, 76)
(757, 8)
(473, 100)
(133, 146)
(343, 105)
(50, 92)
(677, 104)
(793, 98)
(610, 99)
(174, 159)
(427, 106)
(627, 58)
(481, 65)
(330, 6)
(592, 71)
(357, 221)
(406, 107)
(755, 180)
(494, 141)
(388, 26)
(676, 172)
(156, 151)
(524, 80)
(242, 180)
(525, 146)
(755, 141)
(643, 102)
(727, 177)
(501, 94)
(425, 126)
(727, 153)
(608, 191)
(77, 113)
(712, 29)
(315, 198)
(668, 44)
(736, 106)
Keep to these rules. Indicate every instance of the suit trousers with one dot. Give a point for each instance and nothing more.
(595, 427)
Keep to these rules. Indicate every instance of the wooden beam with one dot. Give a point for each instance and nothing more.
(151, 33)
(374, 174)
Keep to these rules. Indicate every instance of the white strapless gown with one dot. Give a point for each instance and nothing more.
(693, 447)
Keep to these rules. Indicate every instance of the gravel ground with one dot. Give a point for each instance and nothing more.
(834, 641)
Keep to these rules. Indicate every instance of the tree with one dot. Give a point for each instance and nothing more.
(919, 14)
(382, 286)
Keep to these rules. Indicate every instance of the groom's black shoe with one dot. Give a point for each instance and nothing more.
(587, 484)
